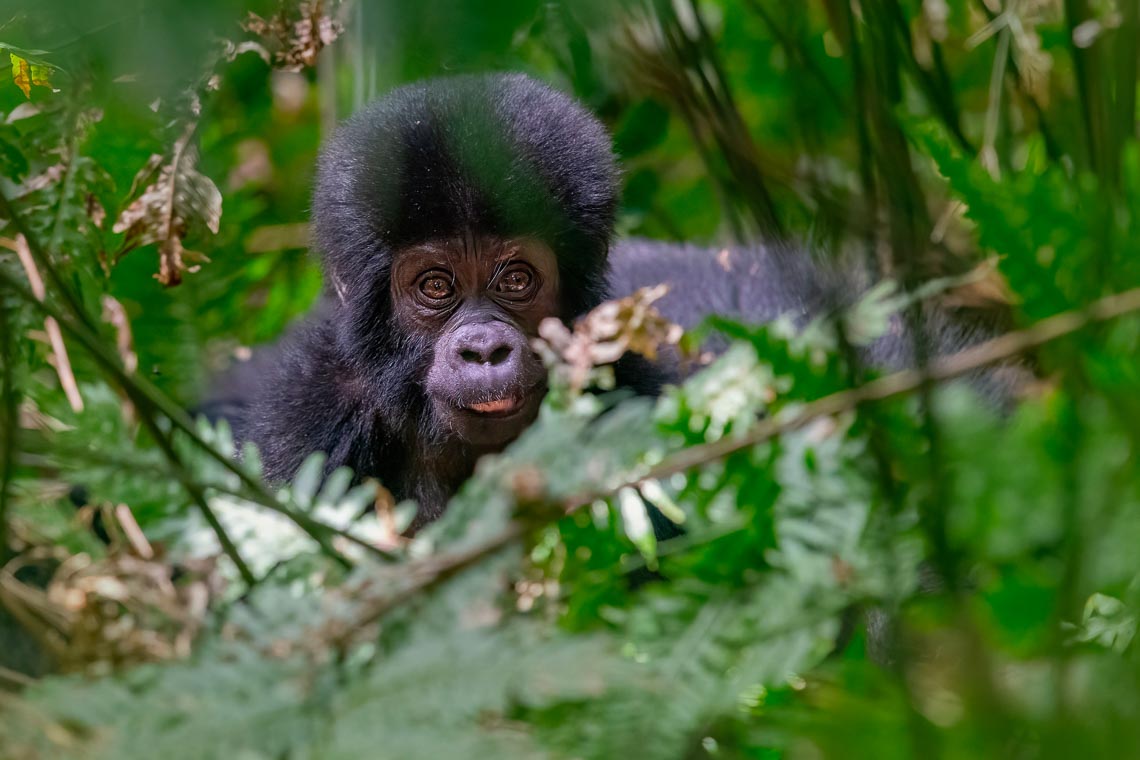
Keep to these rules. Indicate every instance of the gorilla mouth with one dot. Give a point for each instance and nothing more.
(501, 407)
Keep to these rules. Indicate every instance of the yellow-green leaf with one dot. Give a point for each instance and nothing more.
(25, 74)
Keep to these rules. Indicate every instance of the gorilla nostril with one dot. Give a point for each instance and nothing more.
(500, 354)
(482, 355)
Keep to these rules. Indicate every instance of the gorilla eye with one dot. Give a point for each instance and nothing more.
(515, 281)
(436, 286)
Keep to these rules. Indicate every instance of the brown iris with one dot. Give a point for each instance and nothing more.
(436, 287)
(515, 281)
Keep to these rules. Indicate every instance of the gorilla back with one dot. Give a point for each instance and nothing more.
(452, 216)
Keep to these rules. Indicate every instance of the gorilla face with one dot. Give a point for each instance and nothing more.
(477, 301)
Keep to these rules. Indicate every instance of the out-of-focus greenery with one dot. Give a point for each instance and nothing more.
(895, 573)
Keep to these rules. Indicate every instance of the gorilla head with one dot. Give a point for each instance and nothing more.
(453, 216)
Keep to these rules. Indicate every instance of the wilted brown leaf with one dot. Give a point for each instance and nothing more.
(95, 211)
(607, 332)
(46, 178)
(120, 610)
(984, 287)
(180, 199)
(297, 37)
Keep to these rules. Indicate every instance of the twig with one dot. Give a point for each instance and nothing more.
(136, 539)
(67, 185)
(59, 287)
(428, 573)
(1013, 73)
(993, 108)
(51, 327)
(197, 494)
(15, 678)
(342, 533)
(703, 90)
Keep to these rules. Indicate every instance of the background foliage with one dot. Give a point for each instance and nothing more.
(894, 571)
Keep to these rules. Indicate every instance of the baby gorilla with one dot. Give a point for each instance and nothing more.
(453, 216)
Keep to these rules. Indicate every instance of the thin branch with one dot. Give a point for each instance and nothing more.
(342, 533)
(706, 84)
(989, 156)
(198, 494)
(134, 535)
(15, 678)
(428, 573)
(1013, 73)
(51, 327)
(67, 186)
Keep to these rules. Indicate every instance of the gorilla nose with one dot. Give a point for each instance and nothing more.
(490, 345)
(482, 354)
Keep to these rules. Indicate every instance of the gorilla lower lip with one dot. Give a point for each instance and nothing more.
(498, 406)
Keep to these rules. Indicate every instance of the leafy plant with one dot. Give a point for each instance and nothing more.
(872, 565)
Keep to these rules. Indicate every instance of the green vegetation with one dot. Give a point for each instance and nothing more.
(155, 159)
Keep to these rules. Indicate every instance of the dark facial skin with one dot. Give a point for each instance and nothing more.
(479, 301)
